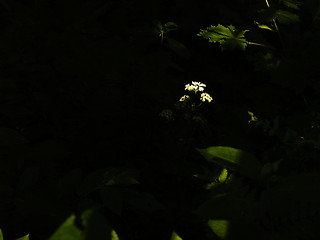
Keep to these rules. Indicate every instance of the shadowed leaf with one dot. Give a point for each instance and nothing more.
(234, 159)
(219, 227)
(67, 231)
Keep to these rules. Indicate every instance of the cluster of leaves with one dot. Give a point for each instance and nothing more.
(289, 194)
(276, 12)
(231, 38)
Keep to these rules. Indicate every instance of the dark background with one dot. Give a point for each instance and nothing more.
(82, 84)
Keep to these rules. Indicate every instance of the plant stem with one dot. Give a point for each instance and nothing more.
(260, 44)
(275, 25)
(268, 5)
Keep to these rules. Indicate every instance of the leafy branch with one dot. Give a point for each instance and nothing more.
(162, 30)
(228, 37)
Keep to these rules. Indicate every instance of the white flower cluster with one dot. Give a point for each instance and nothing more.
(183, 98)
(205, 97)
(196, 86)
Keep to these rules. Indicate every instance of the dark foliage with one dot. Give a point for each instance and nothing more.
(82, 88)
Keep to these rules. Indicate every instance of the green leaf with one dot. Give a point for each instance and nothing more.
(219, 227)
(96, 225)
(235, 230)
(228, 37)
(67, 231)
(234, 159)
(175, 236)
(262, 26)
(286, 17)
(26, 237)
(114, 235)
(223, 175)
(167, 27)
(294, 4)
(170, 26)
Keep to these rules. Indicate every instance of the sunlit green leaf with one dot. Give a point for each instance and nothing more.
(26, 237)
(223, 175)
(219, 227)
(212, 185)
(1, 236)
(237, 229)
(175, 236)
(228, 37)
(114, 235)
(253, 117)
(234, 159)
(67, 231)
(262, 26)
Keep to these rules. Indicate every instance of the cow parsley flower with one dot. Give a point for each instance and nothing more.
(184, 97)
(205, 97)
(195, 86)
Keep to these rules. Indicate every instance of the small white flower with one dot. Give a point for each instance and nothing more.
(195, 86)
(205, 97)
(200, 86)
(183, 98)
(201, 89)
(189, 87)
